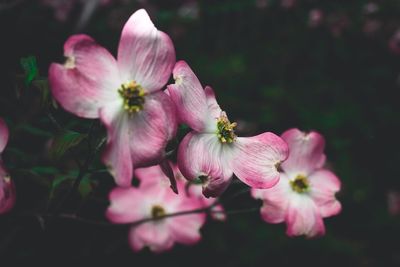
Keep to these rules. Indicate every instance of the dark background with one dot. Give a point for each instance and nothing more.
(272, 70)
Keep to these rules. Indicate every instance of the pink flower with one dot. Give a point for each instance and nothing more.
(212, 152)
(125, 93)
(195, 190)
(153, 200)
(306, 191)
(315, 17)
(7, 189)
(394, 43)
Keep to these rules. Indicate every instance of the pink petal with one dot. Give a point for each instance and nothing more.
(124, 205)
(189, 97)
(186, 229)
(275, 200)
(4, 134)
(303, 217)
(117, 156)
(154, 235)
(204, 155)
(152, 177)
(7, 191)
(256, 163)
(139, 139)
(145, 54)
(324, 184)
(151, 129)
(213, 107)
(88, 80)
(218, 213)
(306, 152)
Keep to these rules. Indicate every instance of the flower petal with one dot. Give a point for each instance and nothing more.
(4, 134)
(324, 184)
(188, 96)
(186, 229)
(7, 190)
(117, 156)
(256, 163)
(88, 79)
(213, 107)
(306, 152)
(154, 235)
(124, 205)
(145, 54)
(151, 129)
(303, 217)
(204, 155)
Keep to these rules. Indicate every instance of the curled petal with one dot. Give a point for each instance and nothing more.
(213, 107)
(324, 184)
(258, 159)
(306, 152)
(87, 80)
(203, 156)
(117, 156)
(145, 54)
(4, 133)
(125, 205)
(188, 96)
(303, 218)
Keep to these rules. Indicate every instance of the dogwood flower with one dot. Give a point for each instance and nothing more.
(212, 152)
(7, 189)
(124, 93)
(152, 200)
(306, 191)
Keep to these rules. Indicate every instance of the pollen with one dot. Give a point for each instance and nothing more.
(300, 184)
(225, 132)
(157, 212)
(133, 95)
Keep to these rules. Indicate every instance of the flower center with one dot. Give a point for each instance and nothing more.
(133, 95)
(225, 131)
(157, 212)
(300, 184)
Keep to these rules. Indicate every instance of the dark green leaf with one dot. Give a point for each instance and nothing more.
(31, 69)
(63, 142)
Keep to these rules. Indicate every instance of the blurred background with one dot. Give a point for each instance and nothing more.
(329, 66)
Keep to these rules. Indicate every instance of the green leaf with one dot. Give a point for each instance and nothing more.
(43, 86)
(85, 187)
(31, 69)
(44, 170)
(64, 142)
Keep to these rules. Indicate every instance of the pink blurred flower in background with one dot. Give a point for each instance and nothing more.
(7, 188)
(152, 200)
(393, 200)
(306, 191)
(288, 3)
(394, 43)
(125, 93)
(315, 18)
(212, 152)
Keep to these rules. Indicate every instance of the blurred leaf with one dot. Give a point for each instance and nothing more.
(43, 86)
(34, 131)
(44, 170)
(85, 187)
(31, 69)
(63, 142)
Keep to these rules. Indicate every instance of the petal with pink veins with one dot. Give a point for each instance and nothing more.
(117, 155)
(151, 129)
(213, 107)
(303, 218)
(186, 229)
(258, 159)
(306, 152)
(204, 155)
(145, 54)
(189, 97)
(4, 134)
(323, 186)
(88, 80)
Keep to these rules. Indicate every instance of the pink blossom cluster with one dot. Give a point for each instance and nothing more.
(128, 95)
